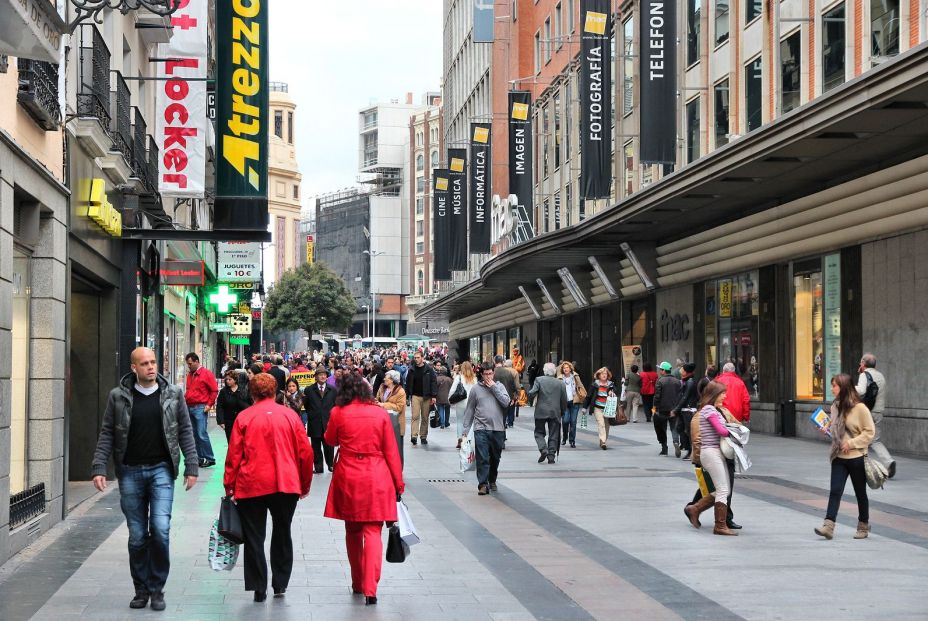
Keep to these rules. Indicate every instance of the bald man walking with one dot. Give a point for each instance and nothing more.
(145, 428)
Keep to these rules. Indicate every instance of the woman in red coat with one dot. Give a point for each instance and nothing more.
(268, 467)
(648, 385)
(367, 479)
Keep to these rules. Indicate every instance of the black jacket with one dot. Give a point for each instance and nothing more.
(175, 424)
(229, 404)
(667, 393)
(429, 382)
(689, 397)
(318, 408)
(592, 390)
(280, 375)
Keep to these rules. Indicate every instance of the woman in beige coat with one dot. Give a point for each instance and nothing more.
(392, 398)
(576, 394)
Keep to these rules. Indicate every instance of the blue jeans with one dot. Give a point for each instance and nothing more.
(444, 414)
(199, 420)
(488, 448)
(511, 415)
(569, 430)
(146, 494)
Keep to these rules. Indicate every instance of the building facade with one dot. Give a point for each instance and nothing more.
(786, 236)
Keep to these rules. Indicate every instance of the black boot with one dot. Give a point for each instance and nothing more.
(663, 449)
(140, 600)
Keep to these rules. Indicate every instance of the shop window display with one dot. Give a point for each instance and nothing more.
(732, 309)
(515, 335)
(817, 320)
(475, 349)
(486, 353)
(501, 343)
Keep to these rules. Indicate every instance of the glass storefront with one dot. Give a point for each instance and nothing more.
(731, 310)
(501, 343)
(817, 321)
(486, 351)
(515, 338)
(475, 350)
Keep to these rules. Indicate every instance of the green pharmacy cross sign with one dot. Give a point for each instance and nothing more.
(222, 299)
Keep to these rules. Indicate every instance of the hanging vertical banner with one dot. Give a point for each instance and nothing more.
(483, 21)
(441, 253)
(457, 203)
(180, 104)
(658, 81)
(595, 99)
(242, 111)
(520, 150)
(480, 167)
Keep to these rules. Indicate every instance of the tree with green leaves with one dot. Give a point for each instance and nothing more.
(311, 297)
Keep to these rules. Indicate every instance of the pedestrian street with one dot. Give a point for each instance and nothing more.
(598, 535)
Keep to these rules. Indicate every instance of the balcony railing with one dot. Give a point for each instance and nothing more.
(93, 95)
(38, 92)
(121, 124)
(151, 176)
(139, 155)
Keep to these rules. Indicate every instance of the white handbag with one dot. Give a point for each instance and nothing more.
(407, 529)
(728, 451)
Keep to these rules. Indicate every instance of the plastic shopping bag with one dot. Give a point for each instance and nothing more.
(466, 454)
(612, 404)
(222, 554)
(584, 419)
(407, 529)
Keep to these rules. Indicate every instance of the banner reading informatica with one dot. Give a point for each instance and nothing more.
(479, 218)
(441, 254)
(242, 114)
(457, 197)
(520, 150)
(658, 82)
(595, 99)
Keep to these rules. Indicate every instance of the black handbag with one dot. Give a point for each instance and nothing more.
(397, 549)
(230, 524)
(458, 395)
(433, 419)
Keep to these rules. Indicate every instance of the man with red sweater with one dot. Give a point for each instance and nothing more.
(200, 395)
(737, 399)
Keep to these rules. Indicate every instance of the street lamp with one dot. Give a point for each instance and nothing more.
(372, 254)
(367, 320)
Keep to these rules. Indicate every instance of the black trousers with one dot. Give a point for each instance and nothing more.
(731, 487)
(841, 469)
(320, 450)
(660, 426)
(550, 427)
(253, 512)
(682, 420)
(647, 401)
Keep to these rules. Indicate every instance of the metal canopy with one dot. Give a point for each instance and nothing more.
(873, 122)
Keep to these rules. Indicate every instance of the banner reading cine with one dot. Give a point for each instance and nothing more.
(440, 225)
(242, 114)
(457, 199)
(595, 99)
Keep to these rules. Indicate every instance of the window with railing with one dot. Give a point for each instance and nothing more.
(884, 28)
(38, 92)
(121, 122)
(93, 90)
(834, 52)
(790, 74)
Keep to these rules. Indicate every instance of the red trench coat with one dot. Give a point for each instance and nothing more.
(368, 474)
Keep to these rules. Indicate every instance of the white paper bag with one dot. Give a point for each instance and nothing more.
(407, 528)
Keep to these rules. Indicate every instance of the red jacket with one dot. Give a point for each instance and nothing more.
(737, 398)
(648, 381)
(268, 453)
(201, 388)
(368, 474)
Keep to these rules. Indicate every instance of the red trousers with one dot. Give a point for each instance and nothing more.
(365, 555)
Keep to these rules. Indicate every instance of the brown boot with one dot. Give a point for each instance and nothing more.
(863, 529)
(827, 530)
(696, 509)
(721, 514)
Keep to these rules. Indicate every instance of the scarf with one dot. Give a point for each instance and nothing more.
(837, 431)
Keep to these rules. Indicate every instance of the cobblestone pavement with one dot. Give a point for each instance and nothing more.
(599, 535)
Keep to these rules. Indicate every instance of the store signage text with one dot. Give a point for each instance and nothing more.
(183, 273)
(98, 207)
(674, 327)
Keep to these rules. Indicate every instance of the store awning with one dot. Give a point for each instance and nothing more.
(875, 121)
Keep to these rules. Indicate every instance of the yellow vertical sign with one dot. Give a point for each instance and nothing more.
(725, 298)
(309, 248)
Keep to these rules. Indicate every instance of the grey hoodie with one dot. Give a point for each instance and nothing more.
(486, 408)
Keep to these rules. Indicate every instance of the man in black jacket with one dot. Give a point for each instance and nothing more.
(666, 395)
(686, 406)
(422, 388)
(319, 399)
(146, 426)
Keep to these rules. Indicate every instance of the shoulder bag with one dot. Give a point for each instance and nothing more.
(459, 394)
(230, 524)
(876, 472)
(397, 549)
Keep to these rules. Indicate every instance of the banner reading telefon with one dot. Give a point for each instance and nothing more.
(242, 114)
(457, 199)
(595, 99)
(520, 150)
(180, 104)
(441, 254)
(480, 167)
(658, 80)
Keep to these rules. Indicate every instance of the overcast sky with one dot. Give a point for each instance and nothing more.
(339, 57)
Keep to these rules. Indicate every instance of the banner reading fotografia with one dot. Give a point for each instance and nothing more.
(520, 150)
(658, 81)
(457, 198)
(180, 104)
(440, 225)
(242, 114)
(595, 99)
(479, 218)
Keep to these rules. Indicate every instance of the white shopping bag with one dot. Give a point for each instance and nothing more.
(407, 529)
(466, 454)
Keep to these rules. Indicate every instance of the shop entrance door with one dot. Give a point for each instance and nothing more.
(744, 352)
(85, 403)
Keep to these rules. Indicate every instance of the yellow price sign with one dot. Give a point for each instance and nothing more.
(304, 378)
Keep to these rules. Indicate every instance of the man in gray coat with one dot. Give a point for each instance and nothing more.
(550, 403)
(146, 426)
(486, 411)
(868, 373)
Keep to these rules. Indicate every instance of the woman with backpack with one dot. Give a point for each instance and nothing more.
(852, 431)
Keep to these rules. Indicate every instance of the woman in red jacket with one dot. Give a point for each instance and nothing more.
(268, 467)
(367, 480)
(648, 382)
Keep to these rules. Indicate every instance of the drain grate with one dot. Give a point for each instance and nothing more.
(446, 480)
